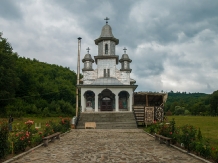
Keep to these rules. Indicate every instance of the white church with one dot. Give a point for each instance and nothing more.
(109, 87)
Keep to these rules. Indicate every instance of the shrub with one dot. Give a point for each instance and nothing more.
(65, 123)
(48, 129)
(23, 137)
(203, 148)
(214, 154)
(4, 132)
(187, 136)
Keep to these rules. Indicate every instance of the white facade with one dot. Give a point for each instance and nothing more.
(107, 88)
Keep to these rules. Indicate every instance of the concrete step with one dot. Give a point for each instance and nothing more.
(112, 125)
(108, 120)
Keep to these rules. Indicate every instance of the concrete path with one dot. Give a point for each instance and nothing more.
(111, 145)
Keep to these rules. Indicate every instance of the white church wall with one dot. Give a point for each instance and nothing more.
(123, 76)
(106, 64)
(89, 76)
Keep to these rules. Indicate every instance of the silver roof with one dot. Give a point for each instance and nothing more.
(106, 31)
(107, 81)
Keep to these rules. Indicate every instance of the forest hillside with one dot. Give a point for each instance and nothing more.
(32, 87)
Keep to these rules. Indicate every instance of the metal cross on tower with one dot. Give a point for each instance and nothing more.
(106, 19)
(124, 50)
(88, 50)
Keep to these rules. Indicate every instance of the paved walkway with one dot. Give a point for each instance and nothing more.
(115, 145)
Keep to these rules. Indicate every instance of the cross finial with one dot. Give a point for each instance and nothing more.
(106, 19)
(88, 50)
(124, 50)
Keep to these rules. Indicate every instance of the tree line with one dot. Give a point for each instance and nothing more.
(192, 104)
(30, 87)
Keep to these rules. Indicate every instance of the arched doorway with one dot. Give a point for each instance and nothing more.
(106, 100)
(123, 100)
(89, 100)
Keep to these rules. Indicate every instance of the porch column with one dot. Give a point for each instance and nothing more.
(116, 102)
(130, 102)
(83, 102)
(96, 102)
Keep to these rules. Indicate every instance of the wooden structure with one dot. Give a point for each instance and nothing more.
(149, 107)
(90, 125)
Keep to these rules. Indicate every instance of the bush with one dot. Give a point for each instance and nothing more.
(23, 137)
(187, 136)
(4, 145)
(203, 148)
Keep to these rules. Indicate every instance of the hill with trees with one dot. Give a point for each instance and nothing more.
(192, 103)
(30, 87)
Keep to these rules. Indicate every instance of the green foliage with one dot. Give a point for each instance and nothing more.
(214, 103)
(4, 132)
(190, 104)
(188, 136)
(30, 87)
(203, 148)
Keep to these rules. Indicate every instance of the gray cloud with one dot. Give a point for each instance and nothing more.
(173, 44)
(9, 9)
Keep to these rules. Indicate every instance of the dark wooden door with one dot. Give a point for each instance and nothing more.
(106, 105)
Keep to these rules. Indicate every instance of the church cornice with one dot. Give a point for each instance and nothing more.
(106, 57)
(107, 86)
(129, 70)
(106, 38)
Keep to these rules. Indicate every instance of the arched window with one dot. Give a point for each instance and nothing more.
(106, 48)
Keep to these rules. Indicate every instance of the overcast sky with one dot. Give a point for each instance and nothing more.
(173, 44)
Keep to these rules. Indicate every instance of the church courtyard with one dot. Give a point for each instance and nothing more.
(106, 145)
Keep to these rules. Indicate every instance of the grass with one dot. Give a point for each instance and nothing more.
(208, 125)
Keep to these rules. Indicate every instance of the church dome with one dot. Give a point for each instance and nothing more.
(106, 34)
(125, 57)
(88, 57)
(106, 31)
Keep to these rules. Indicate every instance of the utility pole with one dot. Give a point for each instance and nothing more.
(78, 74)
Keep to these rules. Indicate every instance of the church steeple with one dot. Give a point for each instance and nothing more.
(106, 43)
(125, 62)
(87, 60)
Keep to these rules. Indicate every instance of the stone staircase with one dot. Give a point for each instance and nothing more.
(108, 120)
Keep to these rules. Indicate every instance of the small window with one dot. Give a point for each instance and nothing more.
(106, 73)
(106, 48)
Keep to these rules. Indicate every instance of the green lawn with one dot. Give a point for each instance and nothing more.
(208, 125)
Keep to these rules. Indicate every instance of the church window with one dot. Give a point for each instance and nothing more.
(106, 73)
(106, 48)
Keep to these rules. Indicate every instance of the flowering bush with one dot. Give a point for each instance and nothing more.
(4, 132)
(214, 154)
(203, 148)
(48, 129)
(20, 141)
(65, 122)
(188, 136)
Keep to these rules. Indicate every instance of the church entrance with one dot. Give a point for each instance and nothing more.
(106, 100)
(106, 104)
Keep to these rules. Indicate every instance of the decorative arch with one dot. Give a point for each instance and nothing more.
(89, 99)
(106, 100)
(123, 100)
